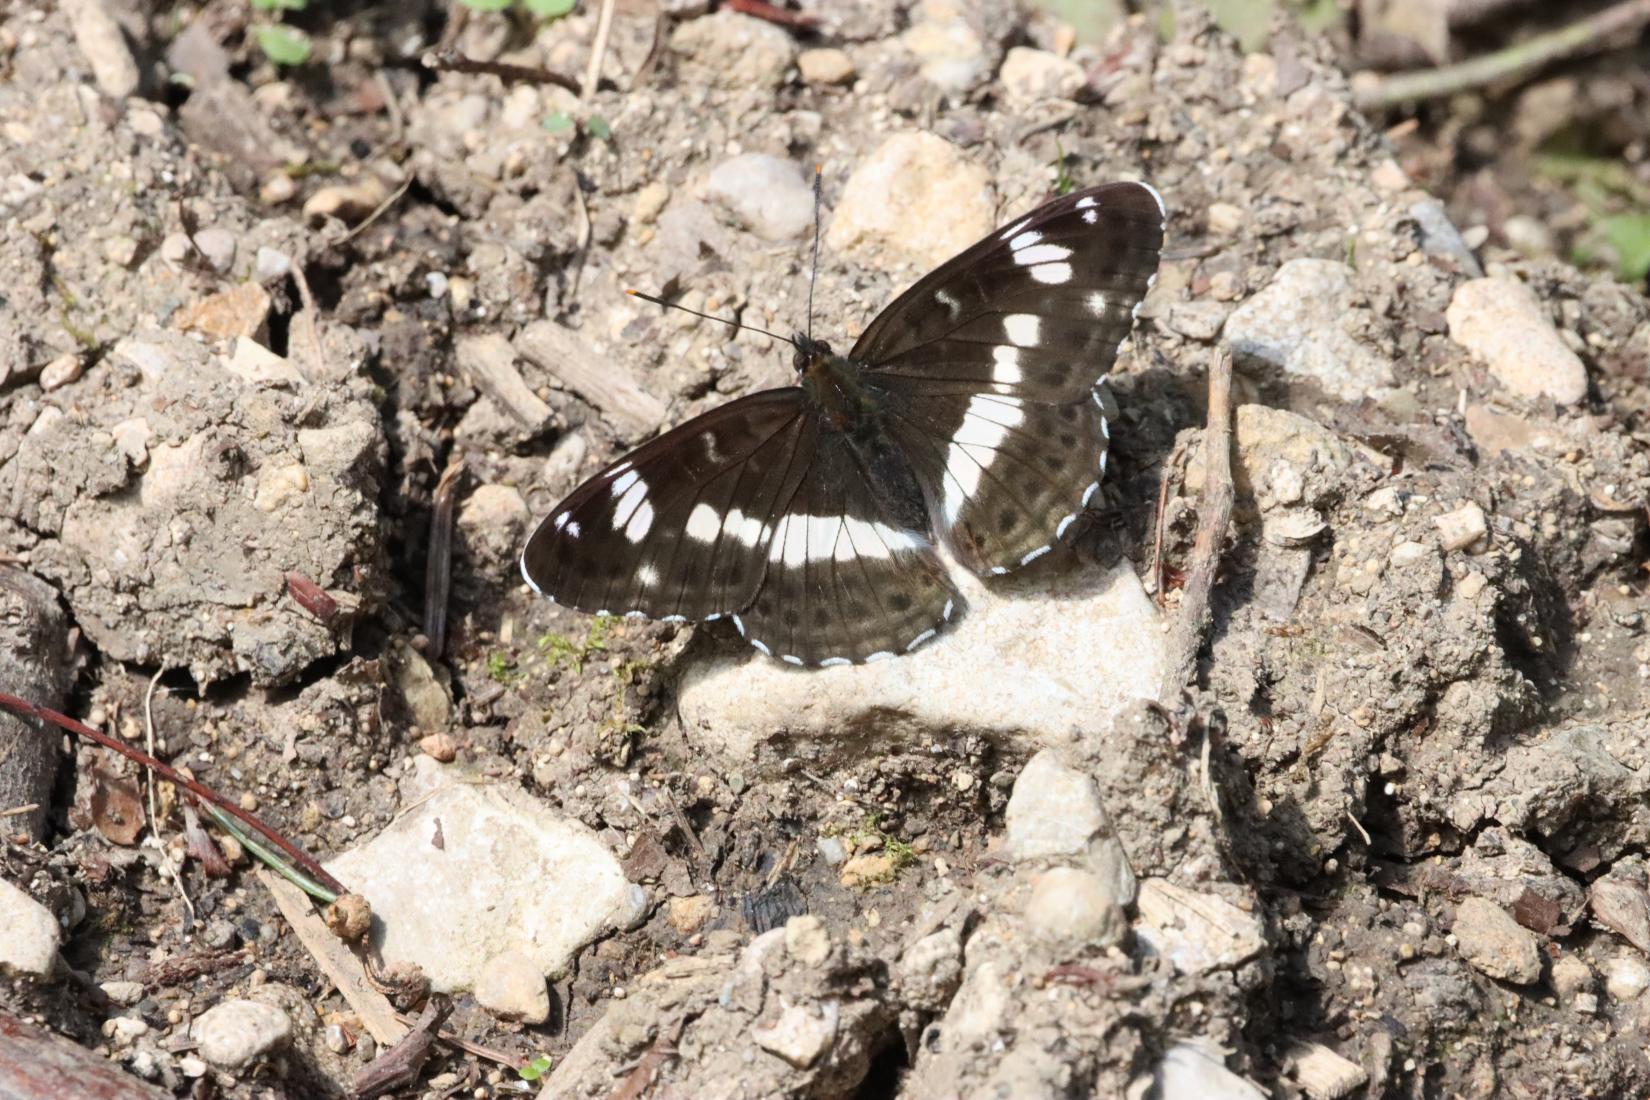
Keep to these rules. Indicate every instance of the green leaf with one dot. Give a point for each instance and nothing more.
(487, 5)
(1629, 236)
(596, 126)
(280, 5)
(558, 122)
(282, 45)
(535, 1069)
(550, 9)
(1248, 21)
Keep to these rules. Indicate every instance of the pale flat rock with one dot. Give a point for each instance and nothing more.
(1196, 932)
(511, 989)
(1306, 322)
(917, 200)
(1496, 944)
(1030, 75)
(764, 194)
(506, 876)
(734, 51)
(1194, 1069)
(1503, 323)
(1039, 658)
(237, 1033)
(947, 49)
(29, 936)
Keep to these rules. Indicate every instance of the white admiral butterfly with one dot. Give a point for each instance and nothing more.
(968, 413)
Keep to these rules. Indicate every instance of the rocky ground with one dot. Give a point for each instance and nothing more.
(1392, 842)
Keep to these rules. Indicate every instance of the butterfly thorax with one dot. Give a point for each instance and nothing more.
(831, 385)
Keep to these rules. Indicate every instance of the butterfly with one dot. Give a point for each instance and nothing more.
(969, 414)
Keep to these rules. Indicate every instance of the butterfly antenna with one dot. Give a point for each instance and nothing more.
(707, 316)
(813, 274)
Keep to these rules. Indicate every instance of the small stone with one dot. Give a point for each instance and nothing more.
(122, 993)
(240, 311)
(649, 202)
(1586, 1003)
(1493, 942)
(1470, 585)
(1461, 528)
(766, 195)
(1571, 976)
(29, 935)
(868, 870)
(348, 202)
(1440, 238)
(493, 520)
(279, 486)
(439, 746)
(1224, 219)
(191, 1066)
(1305, 321)
(60, 372)
(1625, 979)
(120, 250)
(252, 362)
(124, 1029)
(1030, 75)
(278, 188)
(103, 44)
(917, 198)
(1055, 811)
(1408, 553)
(271, 265)
(236, 1033)
(1075, 908)
(947, 49)
(512, 988)
(825, 67)
(1388, 177)
(831, 850)
(800, 1034)
(1384, 501)
(1194, 931)
(175, 249)
(1504, 324)
(688, 915)
(1624, 908)
(930, 969)
(807, 940)
(733, 51)
(217, 248)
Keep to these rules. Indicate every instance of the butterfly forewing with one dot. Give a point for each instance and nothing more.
(851, 573)
(680, 527)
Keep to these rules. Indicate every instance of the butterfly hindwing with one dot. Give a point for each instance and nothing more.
(680, 527)
(851, 573)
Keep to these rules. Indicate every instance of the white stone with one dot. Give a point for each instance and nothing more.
(917, 201)
(29, 935)
(217, 247)
(800, 1034)
(1195, 931)
(733, 51)
(1303, 321)
(1493, 942)
(807, 940)
(1075, 908)
(1054, 812)
(1503, 323)
(1064, 652)
(510, 876)
(1571, 976)
(947, 49)
(1461, 528)
(1625, 978)
(235, 1033)
(1030, 75)
(271, 264)
(825, 66)
(1195, 1069)
(766, 195)
(511, 988)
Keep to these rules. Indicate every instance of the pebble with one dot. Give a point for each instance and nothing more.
(1076, 908)
(60, 372)
(1030, 75)
(1501, 322)
(930, 969)
(236, 1033)
(124, 1029)
(494, 516)
(104, 46)
(1302, 321)
(1054, 812)
(122, 993)
(217, 247)
(947, 49)
(442, 747)
(512, 988)
(1225, 219)
(649, 202)
(800, 1034)
(271, 264)
(1625, 978)
(1195, 1069)
(1440, 238)
(831, 850)
(29, 936)
(348, 202)
(825, 67)
(1624, 908)
(1196, 932)
(240, 311)
(917, 199)
(733, 51)
(1472, 584)
(807, 940)
(1461, 528)
(766, 195)
(688, 915)
(868, 870)
(278, 188)
(1494, 943)
(1571, 976)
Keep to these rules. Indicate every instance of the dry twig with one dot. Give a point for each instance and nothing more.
(438, 568)
(598, 51)
(399, 1067)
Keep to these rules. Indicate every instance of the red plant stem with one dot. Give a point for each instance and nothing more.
(172, 775)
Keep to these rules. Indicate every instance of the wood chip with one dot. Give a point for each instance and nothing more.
(491, 361)
(595, 376)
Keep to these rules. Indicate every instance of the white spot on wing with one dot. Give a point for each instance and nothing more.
(1067, 522)
(1085, 202)
(573, 530)
(648, 574)
(790, 660)
(1014, 229)
(1041, 254)
(1006, 368)
(1052, 274)
(635, 492)
(1162, 210)
(1022, 329)
(1097, 304)
(984, 428)
(879, 655)
(703, 523)
(833, 661)
(1091, 216)
(761, 647)
(622, 484)
(1034, 555)
(560, 521)
(950, 606)
(636, 530)
(1024, 240)
(919, 639)
(953, 307)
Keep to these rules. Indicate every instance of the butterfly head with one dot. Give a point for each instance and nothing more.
(811, 354)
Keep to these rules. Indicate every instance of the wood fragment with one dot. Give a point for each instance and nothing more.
(38, 1065)
(598, 52)
(34, 661)
(491, 362)
(449, 60)
(640, 1080)
(599, 379)
(1323, 1074)
(438, 567)
(399, 1067)
(311, 597)
(1214, 516)
(335, 959)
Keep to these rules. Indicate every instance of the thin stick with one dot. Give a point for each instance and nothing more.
(172, 775)
(1515, 61)
(1214, 514)
(598, 51)
(395, 197)
(450, 60)
(438, 567)
(149, 743)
